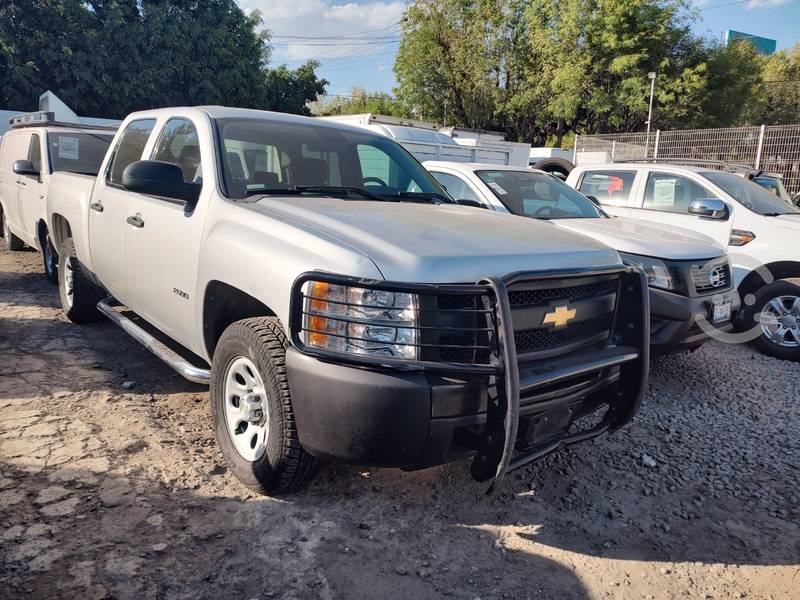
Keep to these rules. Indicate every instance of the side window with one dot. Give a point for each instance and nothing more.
(16, 145)
(609, 187)
(129, 148)
(178, 144)
(35, 151)
(672, 193)
(377, 169)
(457, 187)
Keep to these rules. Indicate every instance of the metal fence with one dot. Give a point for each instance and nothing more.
(773, 148)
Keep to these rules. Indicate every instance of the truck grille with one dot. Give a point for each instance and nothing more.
(534, 340)
(716, 276)
(575, 292)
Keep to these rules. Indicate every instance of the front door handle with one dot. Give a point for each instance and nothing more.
(96, 206)
(136, 221)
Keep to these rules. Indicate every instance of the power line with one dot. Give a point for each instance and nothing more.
(721, 5)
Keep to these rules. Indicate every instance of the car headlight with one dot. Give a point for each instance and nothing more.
(656, 270)
(360, 320)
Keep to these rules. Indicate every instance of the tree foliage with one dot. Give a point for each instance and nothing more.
(358, 101)
(109, 57)
(538, 69)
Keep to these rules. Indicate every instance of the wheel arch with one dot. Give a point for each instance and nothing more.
(224, 304)
(785, 269)
(61, 229)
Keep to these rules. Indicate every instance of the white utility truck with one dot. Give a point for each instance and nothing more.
(340, 304)
(33, 150)
(688, 273)
(760, 231)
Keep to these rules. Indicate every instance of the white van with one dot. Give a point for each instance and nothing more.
(33, 149)
(761, 232)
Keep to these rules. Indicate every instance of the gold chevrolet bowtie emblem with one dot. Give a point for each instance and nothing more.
(560, 316)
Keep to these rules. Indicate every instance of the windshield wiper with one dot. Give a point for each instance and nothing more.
(322, 189)
(421, 196)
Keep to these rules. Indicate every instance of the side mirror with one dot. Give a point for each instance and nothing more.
(472, 203)
(158, 178)
(796, 199)
(25, 167)
(712, 208)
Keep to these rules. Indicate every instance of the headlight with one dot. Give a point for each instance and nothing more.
(656, 271)
(359, 320)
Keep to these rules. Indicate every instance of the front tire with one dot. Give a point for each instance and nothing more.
(79, 296)
(13, 243)
(50, 258)
(251, 407)
(776, 311)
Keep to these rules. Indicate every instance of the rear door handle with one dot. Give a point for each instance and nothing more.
(136, 221)
(96, 206)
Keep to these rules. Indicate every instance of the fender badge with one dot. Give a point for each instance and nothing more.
(560, 316)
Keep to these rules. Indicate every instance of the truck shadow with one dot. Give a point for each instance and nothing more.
(73, 532)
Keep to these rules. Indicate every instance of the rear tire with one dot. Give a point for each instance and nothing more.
(560, 167)
(249, 365)
(79, 296)
(777, 309)
(13, 243)
(50, 259)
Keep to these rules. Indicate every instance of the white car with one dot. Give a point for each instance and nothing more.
(760, 230)
(687, 272)
(33, 149)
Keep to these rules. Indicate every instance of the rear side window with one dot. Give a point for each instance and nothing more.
(129, 148)
(178, 144)
(77, 152)
(672, 193)
(16, 146)
(609, 187)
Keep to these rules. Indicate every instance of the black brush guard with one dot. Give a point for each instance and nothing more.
(627, 350)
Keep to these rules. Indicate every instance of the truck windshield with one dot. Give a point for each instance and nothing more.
(77, 152)
(774, 185)
(749, 194)
(538, 195)
(264, 156)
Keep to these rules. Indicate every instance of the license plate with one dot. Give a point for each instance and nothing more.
(721, 312)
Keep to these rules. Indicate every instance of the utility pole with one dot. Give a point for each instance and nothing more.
(652, 77)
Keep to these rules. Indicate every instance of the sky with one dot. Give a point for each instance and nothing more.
(356, 40)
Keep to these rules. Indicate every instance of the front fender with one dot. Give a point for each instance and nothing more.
(68, 200)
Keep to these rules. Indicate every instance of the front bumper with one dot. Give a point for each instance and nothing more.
(415, 415)
(674, 319)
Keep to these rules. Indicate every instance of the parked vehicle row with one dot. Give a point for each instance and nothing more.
(343, 305)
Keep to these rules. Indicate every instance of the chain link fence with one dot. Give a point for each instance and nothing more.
(774, 148)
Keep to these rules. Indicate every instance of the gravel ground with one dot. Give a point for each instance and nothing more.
(111, 486)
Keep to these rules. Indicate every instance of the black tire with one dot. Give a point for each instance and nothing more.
(85, 295)
(560, 167)
(13, 243)
(50, 260)
(762, 297)
(284, 466)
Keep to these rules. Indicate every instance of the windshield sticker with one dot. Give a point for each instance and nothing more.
(664, 193)
(497, 188)
(68, 148)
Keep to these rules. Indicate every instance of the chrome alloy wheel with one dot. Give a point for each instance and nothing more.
(68, 282)
(780, 321)
(246, 411)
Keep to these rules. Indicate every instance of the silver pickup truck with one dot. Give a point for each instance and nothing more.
(340, 304)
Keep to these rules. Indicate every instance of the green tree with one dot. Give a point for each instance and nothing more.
(110, 57)
(359, 101)
(778, 99)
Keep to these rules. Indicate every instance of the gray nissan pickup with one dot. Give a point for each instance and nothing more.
(340, 304)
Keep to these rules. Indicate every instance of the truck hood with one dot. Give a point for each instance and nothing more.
(439, 243)
(639, 237)
(791, 221)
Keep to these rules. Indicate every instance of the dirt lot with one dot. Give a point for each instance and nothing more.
(111, 486)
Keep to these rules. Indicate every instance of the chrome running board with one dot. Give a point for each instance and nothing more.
(168, 355)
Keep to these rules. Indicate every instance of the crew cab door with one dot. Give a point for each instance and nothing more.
(110, 208)
(15, 147)
(32, 191)
(664, 198)
(163, 235)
